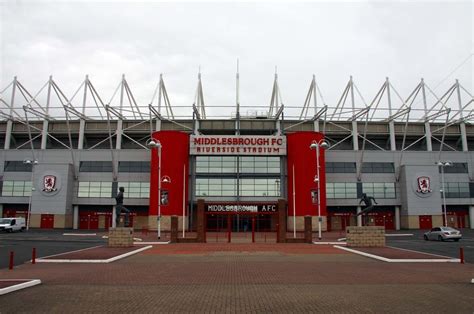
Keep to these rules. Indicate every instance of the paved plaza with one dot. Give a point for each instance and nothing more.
(228, 278)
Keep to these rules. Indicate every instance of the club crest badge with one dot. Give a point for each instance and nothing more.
(49, 183)
(423, 185)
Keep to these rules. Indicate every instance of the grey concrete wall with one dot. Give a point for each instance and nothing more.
(55, 202)
(413, 202)
(412, 159)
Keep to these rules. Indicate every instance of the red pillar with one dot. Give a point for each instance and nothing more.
(253, 229)
(229, 227)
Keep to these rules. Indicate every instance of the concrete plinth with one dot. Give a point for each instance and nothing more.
(120, 237)
(368, 236)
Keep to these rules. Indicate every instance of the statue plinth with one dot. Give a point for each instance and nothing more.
(367, 236)
(120, 237)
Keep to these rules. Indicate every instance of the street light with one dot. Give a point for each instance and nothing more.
(156, 144)
(443, 164)
(31, 162)
(316, 145)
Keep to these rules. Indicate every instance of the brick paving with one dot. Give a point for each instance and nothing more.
(254, 278)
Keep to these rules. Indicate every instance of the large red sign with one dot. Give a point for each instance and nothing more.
(241, 145)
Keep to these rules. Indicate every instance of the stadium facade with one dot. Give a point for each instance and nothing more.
(63, 158)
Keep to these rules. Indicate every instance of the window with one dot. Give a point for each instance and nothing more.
(457, 189)
(16, 188)
(94, 189)
(341, 190)
(216, 164)
(134, 166)
(379, 190)
(216, 187)
(340, 167)
(136, 189)
(17, 166)
(257, 164)
(378, 167)
(95, 166)
(456, 167)
(228, 164)
(260, 187)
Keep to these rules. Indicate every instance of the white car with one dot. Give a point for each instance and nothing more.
(12, 224)
(442, 234)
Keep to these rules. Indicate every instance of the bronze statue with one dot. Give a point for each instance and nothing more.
(368, 202)
(120, 208)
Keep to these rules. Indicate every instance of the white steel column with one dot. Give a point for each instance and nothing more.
(119, 131)
(397, 217)
(237, 101)
(82, 122)
(8, 131)
(315, 101)
(114, 210)
(429, 145)
(391, 123)
(471, 217)
(359, 218)
(82, 129)
(44, 133)
(462, 125)
(160, 93)
(355, 134)
(75, 217)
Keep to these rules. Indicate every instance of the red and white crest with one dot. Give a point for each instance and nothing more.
(49, 183)
(423, 185)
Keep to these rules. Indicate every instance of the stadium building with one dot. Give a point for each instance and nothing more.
(64, 157)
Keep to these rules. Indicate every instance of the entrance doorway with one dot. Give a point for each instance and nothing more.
(425, 222)
(241, 228)
(47, 221)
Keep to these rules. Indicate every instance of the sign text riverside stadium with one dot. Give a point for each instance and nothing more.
(237, 145)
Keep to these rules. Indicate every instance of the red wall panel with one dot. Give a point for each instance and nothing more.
(303, 158)
(174, 160)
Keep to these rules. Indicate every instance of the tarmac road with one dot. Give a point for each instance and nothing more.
(46, 243)
(447, 248)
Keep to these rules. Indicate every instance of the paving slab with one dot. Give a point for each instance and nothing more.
(285, 278)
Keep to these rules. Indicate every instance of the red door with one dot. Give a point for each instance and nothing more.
(425, 222)
(389, 223)
(94, 222)
(108, 221)
(461, 221)
(385, 221)
(47, 221)
(88, 222)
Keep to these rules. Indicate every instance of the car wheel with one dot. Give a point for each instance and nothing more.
(456, 240)
(440, 238)
(425, 237)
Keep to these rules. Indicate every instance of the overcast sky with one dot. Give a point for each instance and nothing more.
(369, 40)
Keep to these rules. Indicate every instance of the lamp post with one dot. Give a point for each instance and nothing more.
(31, 162)
(443, 164)
(156, 144)
(316, 145)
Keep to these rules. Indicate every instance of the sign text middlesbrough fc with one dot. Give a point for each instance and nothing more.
(241, 145)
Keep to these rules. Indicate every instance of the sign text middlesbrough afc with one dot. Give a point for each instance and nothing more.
(242, 145)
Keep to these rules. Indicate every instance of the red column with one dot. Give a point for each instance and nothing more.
(253, 229)
(229, 227)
